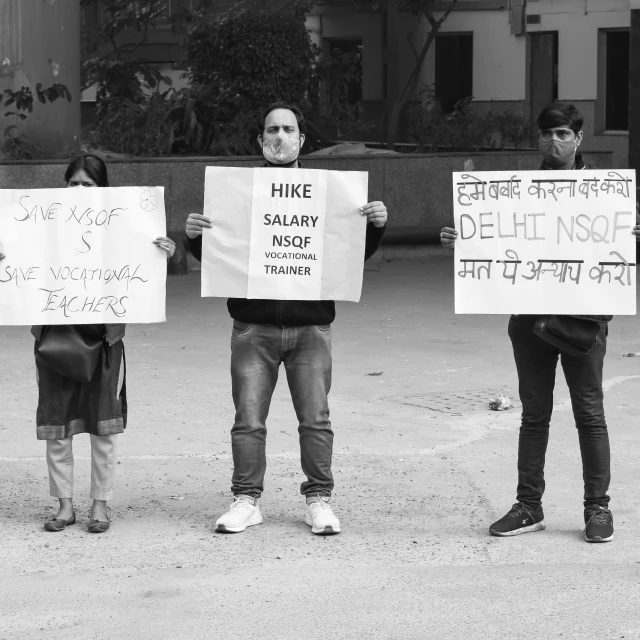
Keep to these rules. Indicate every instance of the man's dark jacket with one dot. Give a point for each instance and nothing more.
(288, 312)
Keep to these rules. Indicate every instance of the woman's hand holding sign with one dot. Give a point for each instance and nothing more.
(376, 213)
(166, 244)
(196, 223)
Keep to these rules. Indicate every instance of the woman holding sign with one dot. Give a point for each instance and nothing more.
(82, 389)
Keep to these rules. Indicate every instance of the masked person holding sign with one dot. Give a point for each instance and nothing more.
(98, 406)
(267, 333)
(560, 135)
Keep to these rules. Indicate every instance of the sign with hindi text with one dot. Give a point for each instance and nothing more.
(82, 256)
(284, 234)
(538, 242)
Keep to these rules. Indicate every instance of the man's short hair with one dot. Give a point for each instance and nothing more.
(560, 114)
(302, 124)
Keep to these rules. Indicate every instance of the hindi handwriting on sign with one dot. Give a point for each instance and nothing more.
(624, 270)
(79, 256)
(475, 267)
(510, 264)
(563, 240)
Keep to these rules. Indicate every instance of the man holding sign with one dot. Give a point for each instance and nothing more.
(297, 333)
(536, 354)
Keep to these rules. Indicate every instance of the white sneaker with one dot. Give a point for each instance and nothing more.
(243, 513)
(320, 517)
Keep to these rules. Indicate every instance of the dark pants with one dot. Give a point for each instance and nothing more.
(536, 362)
(256, 353)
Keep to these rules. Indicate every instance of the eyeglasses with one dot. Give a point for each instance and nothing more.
(546, 135)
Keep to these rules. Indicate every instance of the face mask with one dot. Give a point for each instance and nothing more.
(558, 151)
(283, 149)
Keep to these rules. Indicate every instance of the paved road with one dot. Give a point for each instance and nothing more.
(422, 468)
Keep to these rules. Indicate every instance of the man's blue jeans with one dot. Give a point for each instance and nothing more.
(256, 353)
(536, 362)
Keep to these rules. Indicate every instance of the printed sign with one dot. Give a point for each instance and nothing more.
(284, 234)
(536, 242)
(82, 256)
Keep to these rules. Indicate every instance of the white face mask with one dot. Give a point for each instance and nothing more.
(281, 149)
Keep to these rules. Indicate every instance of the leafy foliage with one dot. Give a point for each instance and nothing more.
(203, 120)
(265, 56)
(340, 72)
(208, 119)
(119, 73)
(235, 67)
(463, 129)
(17, 145)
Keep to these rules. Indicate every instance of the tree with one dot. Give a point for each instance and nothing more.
(426, 9)
(117, 71)
(265, 56)
(15, 144)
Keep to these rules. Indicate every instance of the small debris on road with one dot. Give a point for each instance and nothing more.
(500, 403)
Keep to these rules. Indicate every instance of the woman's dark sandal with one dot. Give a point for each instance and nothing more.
(98, 526)
(57, 524)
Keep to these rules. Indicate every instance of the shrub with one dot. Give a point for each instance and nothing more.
(134, 128)
(463, 129)
(264, 56)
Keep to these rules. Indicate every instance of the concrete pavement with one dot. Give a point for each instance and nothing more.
(422, 468)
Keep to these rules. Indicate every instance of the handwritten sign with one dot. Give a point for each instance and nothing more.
(82, 255)
(535, 242)
(284, 234)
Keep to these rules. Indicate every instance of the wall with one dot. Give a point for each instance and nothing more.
(33, 33)
(577, 23)
(499, 59)
(416, 188)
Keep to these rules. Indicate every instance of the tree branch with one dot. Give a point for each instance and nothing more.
(412, 82)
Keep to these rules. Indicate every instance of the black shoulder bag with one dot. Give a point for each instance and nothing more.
(575, 335)
(69, 352)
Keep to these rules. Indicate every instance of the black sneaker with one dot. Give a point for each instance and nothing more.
(520, 519)
(598, 524)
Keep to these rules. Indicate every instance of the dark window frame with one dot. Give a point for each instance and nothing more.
(440, 37)
(602, 119)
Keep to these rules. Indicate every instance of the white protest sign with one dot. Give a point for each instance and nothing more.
(82, 256)
(284, 234)
(537, 242)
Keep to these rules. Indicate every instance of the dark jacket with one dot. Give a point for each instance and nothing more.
(579, 166)
(288, 312)
(113, 332)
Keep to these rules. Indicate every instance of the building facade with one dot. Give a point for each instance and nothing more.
(509, 55)
(513, 55)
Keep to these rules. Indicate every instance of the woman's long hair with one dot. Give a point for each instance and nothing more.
(92, 165)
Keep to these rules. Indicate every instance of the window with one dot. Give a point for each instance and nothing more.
(543, 74)
(453, 68)
(614, 79)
